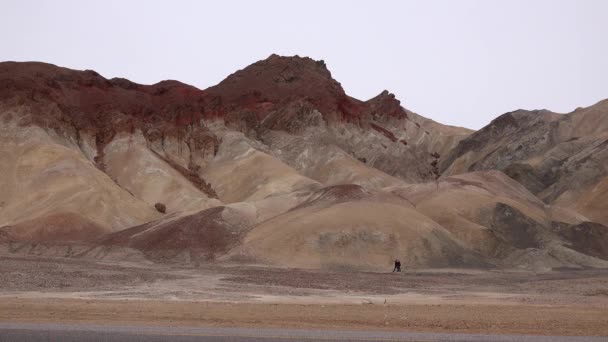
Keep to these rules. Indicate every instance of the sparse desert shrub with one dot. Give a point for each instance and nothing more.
(160, 207)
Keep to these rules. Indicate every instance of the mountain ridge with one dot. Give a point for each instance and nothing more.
(284, 168)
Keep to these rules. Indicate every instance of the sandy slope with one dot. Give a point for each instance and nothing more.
(56, 227)
(350, 227)
(144, 174)
(41, 177)
(494, 215)
(592, 203)
(314, 156)
(240, 172)
(189, 238)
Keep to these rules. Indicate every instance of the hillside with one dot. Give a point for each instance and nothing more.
(278, 165)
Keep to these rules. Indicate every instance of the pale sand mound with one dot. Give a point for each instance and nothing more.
(497, 217)
(240, 172)
(466, 194)
(271, 206)
(462, 203)
(134, 167)
(186, 238)
(316, 156)
(58, 227)
(41, 177)
(594, 203)
(350, 227)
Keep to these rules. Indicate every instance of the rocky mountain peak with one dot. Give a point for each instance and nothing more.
(386, 105)
(278, 80)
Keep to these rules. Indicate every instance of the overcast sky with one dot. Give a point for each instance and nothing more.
(457, 62)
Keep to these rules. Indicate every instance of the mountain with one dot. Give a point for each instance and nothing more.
(278, 165)
(562, 158)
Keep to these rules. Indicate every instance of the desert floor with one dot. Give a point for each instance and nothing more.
(559, 302)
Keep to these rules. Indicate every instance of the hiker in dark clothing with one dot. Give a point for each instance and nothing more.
(397, 266)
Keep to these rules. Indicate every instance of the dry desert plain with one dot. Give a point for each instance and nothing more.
(558, 302)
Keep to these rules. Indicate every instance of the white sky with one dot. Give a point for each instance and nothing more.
(457, 62)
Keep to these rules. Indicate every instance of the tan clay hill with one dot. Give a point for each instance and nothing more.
(277, 165)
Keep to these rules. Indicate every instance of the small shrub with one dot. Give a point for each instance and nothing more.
(160, 207)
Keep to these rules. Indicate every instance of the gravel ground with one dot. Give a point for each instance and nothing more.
(71, 275)
(86, 278)
(567, 302)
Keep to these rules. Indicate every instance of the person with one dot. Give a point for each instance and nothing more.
(397, 266)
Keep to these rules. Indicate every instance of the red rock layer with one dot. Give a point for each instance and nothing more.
(88, 101)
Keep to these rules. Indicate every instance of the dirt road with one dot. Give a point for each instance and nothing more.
(120, 333)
